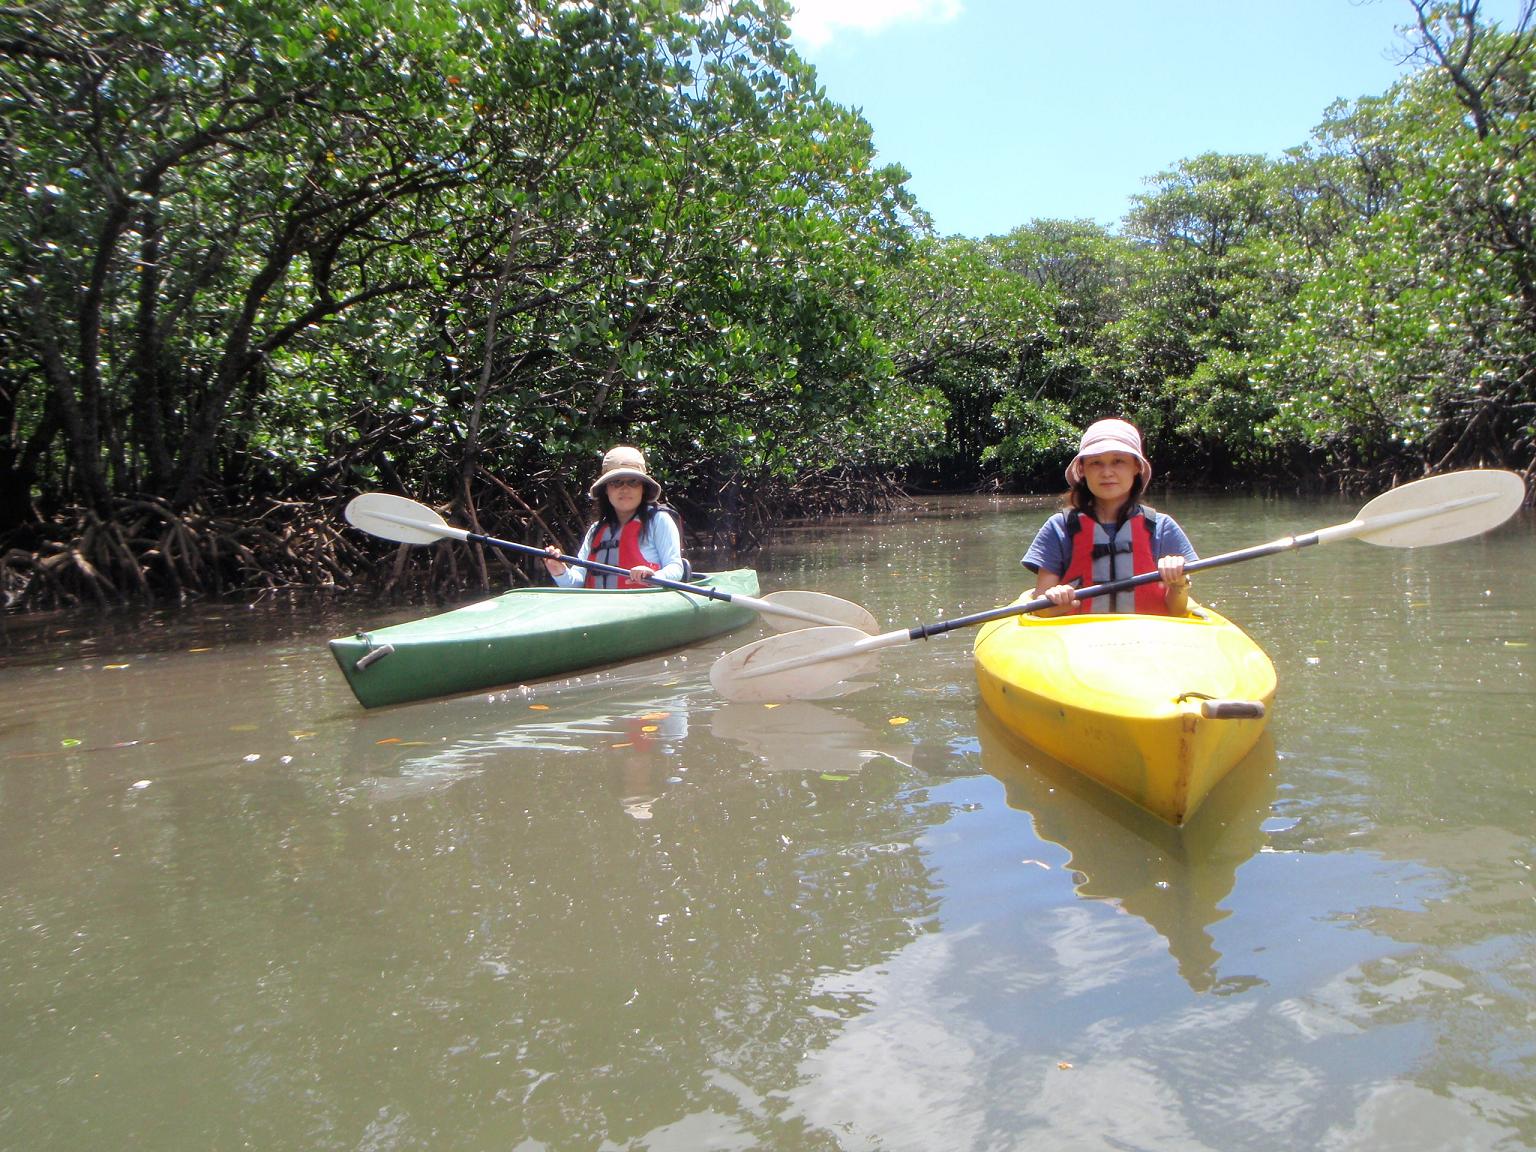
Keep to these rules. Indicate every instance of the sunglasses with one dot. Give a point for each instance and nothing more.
(624, 482)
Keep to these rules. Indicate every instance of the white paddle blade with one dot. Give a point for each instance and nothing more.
(731, 674)
(396, 518)
(831, 610)
(1440, 509)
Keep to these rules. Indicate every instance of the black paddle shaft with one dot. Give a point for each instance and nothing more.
(923, 631)
(695, 589)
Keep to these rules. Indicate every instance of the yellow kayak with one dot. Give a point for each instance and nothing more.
(1156, 708)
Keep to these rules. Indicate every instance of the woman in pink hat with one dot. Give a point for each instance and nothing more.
(628, 532)
(1105, 533)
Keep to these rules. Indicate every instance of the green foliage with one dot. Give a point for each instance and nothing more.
(1414, 340)
(959, 327)
(1363, 302)
(275, 249)
(1038, 436)
(245, 239)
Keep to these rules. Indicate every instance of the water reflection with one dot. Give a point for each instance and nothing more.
(634, 720)
(800, 736)
(244, 911)
(568, 919)
(1173, 878)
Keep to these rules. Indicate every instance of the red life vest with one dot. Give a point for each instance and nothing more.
(1094, 562)
(627, 548)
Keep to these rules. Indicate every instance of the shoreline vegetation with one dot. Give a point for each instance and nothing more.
(260, 256)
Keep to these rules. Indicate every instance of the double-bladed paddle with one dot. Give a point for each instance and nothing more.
(406, 521)
(1436, 510)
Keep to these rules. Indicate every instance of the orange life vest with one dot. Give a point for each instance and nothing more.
(1097, 560)
(622, 553)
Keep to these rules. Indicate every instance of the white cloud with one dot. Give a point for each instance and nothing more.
(816, 22)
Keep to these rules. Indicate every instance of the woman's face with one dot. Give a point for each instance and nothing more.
(1111, 474)
(625, 494)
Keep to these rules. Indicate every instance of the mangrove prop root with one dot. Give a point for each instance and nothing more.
(146, 550)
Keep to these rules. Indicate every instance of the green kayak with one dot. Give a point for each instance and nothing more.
(533, 632)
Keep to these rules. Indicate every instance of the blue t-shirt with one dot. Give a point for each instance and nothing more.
(1052, 547)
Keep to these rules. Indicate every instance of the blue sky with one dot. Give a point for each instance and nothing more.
(1006, 111)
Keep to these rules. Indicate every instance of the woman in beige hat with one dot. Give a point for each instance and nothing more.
(1105, 533)
(631, 530)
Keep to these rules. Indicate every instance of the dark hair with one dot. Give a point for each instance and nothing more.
(1079, 497)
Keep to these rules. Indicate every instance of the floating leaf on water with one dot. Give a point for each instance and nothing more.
(1064, 1066)
(199, 649)
(897, 721)
(624, 745)
(1516, 644)
(114, 667)
(388, 740)
(538, 707)
(836, 779)
(651, 728)
(69, 742)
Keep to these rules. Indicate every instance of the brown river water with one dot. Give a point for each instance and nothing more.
(616, 912)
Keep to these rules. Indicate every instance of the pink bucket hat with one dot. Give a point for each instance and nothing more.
(1109, 436)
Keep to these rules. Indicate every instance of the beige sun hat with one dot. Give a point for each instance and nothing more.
(1109, 436)
(624, 461)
